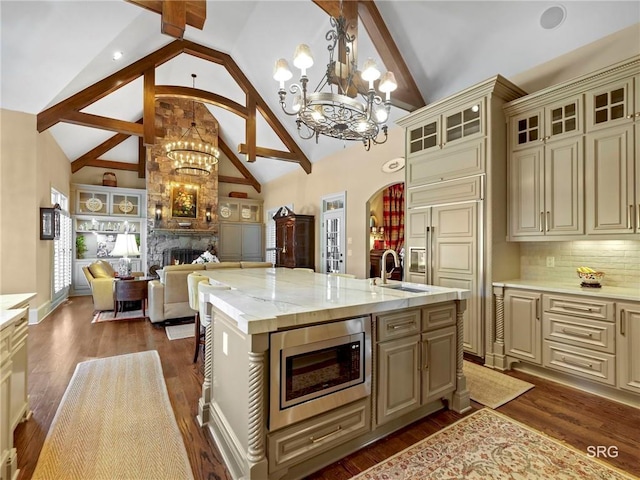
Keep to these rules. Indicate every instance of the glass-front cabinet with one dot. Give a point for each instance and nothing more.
(232, 209)
(453, 126)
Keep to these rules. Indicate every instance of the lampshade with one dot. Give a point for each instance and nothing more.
(125, 245)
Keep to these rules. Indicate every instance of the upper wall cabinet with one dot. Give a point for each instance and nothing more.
(99, 200)
(573, 167)
(231, 209)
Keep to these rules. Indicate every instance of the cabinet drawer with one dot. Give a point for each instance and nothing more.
(5, 343)
(585, 307)
(438, 316)
(597, 366)
(400, 324)
(19, 336)
(461, 190)
(321, 433)
(581, 332)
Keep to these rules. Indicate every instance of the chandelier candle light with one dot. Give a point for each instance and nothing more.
(333, 112)
(189, 157)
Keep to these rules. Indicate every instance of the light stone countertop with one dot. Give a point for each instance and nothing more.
(267, 299)
(616, 293)
(12, 300)
(9, 317)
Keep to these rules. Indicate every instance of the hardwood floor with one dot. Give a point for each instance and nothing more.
(67, 337)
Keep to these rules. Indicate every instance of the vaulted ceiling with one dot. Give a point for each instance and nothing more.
(54, 50)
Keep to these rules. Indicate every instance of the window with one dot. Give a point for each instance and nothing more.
(62, 251)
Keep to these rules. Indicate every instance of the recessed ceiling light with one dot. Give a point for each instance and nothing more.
(553, 17)
(117, 55)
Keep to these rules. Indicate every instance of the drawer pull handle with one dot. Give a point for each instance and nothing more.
(319, 439)
(575, 307)
(541, 218)
(400, 325)
(577, 364)
(576, 334)
(623, 323)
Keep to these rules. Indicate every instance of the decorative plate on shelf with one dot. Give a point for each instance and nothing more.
(94, 204)
(225, 212)
(125, 206)
(246, 213)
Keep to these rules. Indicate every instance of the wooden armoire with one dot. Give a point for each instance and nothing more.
(295, 239)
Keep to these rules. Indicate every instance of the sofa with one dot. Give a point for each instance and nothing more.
(169, 295)
(100, 275)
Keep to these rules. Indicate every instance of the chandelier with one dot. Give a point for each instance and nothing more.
(191, 154)
(337, 112)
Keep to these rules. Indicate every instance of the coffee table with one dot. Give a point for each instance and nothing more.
(130, 290)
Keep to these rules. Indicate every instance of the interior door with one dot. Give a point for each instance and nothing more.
(453, 240)
(334, 242)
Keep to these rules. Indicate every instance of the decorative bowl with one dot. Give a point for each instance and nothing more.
(591, 278)
(184, 224)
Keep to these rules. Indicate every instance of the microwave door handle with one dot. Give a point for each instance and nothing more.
(428, 257)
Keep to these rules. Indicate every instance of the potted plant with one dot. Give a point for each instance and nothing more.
(81, 246)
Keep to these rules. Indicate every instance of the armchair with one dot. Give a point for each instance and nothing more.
(100, 276)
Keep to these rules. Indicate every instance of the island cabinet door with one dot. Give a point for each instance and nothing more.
(398, 377)
(628, 355)
(438, 362)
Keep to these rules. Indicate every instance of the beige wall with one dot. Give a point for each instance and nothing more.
(353, 170)
(30, 165)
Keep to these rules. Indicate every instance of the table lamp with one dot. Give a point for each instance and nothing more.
(125, 245)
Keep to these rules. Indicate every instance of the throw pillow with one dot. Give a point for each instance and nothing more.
(98, 270)
(108, 268)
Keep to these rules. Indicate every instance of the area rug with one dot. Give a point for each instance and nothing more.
(492, 388)
(115, 422)
(177, 332)
(489, 445)
(108, 316)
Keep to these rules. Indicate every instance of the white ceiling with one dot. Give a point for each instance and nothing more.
(52, 49)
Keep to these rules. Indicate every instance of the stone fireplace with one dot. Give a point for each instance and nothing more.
(175, 116)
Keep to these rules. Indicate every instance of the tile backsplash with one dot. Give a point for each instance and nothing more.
(618, 259)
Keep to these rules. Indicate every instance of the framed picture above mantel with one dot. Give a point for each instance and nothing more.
(184, 201)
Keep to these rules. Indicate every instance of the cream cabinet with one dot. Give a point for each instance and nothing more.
(546, 189)
(416, 359)
(231, 209)
(455, 194)
(574, 171)
(586, 339)
(522, 325)
(628, 339)
(241, 242)
(14, 401)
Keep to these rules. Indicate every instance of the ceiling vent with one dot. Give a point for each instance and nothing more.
(553, 17)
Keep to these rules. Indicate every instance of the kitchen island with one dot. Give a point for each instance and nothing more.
(408, 354)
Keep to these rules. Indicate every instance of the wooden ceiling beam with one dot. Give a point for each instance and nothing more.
(171, 91)
(269, 153)
(244, 83)
(52, 115)
(101, 149)
(235, 180)
(407, 96)
(196, 10)
(112, 165)
(174, 19)
(231, 155)
(142, 158)
(104, 123)
(149, 107)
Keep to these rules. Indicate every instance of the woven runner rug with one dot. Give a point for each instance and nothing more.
(492, 388)
(115, 422)
(108, 316)
(178, 332)
(488, 445)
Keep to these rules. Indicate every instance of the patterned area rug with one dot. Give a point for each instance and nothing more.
(177, 332)
(115, 421)
(108, 316)
(492, 388)
(489, 445)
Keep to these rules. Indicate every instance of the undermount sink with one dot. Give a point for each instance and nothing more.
(406, 288)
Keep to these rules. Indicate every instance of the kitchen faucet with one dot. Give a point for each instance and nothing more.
(383, 264)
